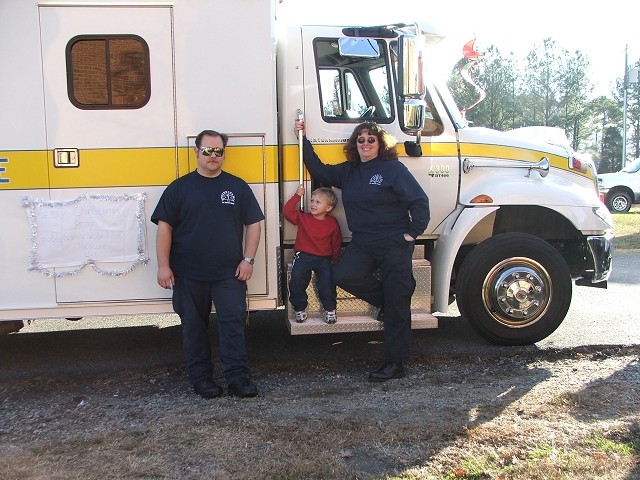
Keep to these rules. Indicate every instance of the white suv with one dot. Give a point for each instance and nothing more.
(621, 189)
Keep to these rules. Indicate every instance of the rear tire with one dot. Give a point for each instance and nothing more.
(10, 327)
(619, 202)
(514, 288)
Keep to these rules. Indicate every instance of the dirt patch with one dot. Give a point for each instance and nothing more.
(518, 414)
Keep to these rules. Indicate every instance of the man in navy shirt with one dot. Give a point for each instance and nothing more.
(202, 218)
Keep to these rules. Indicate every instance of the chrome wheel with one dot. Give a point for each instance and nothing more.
(517, 292)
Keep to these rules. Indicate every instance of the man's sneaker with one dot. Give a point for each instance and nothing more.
(301, 316)
(330, 317)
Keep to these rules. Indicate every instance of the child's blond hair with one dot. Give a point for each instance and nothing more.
(330, 194)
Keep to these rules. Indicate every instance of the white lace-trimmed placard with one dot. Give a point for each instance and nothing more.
(68, 235)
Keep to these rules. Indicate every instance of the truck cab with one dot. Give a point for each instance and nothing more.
(515, 216)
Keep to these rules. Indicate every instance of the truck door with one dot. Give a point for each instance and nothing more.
(109, 108)
(342, 91)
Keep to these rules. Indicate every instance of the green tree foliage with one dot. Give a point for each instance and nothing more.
(550, 87)
(611, 157)
(606, 118)
(498, 78)
(541, 82)
(574, 91)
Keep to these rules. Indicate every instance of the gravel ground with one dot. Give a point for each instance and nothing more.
(515, 413)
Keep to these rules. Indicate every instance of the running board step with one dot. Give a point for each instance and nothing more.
(356, 315)
(354, 323)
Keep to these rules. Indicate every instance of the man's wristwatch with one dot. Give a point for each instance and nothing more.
(249, 259)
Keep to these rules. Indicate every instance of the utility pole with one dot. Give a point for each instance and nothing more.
(624, 109)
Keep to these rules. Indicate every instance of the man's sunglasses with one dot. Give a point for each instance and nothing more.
(207, 151)
(368, 139)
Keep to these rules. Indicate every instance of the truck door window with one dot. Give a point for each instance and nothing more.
(352, 88)
(108, 71)
(355, 104)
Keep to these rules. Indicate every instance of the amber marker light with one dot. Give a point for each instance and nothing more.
(482, 198)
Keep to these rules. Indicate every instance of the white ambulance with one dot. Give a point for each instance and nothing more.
(100, 103)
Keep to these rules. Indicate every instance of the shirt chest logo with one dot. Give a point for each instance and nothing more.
(376, 179)
(228, 198)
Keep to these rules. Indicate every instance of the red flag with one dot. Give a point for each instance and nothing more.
(471, 55)
(469, 50)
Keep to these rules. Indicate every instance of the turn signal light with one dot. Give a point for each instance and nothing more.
(482, 198)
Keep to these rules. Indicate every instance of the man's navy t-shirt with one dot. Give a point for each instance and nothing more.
(208, 216)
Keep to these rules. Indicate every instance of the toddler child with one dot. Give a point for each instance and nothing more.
(317, 246)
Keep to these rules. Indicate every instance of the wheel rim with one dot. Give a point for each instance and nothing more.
(619, 203)
(517, 292)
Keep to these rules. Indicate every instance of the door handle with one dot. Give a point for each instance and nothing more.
(66, 158)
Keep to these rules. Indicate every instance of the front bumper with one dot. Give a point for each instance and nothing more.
(601, 248)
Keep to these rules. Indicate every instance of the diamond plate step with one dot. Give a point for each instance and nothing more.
(356, 315)
(354, 323)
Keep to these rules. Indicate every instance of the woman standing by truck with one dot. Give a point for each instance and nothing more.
(386, 210)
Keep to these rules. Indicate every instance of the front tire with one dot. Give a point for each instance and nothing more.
(619, 202)
(514, 288)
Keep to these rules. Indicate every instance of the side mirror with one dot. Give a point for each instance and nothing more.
(411, 89)
(413, 149)
(413, 115)
(410, 71)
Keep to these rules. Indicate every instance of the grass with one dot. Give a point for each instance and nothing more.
(627, 229)
(602, 444)
(594, 457)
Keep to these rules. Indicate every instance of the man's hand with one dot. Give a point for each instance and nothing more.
(244, 271)
(165, 277)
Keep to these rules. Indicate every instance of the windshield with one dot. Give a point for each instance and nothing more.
(450, 104)
(633, 167)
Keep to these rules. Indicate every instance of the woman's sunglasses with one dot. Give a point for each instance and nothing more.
(368, 139)
(207, 151)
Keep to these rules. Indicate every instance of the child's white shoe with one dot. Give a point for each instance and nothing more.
(330, 317)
